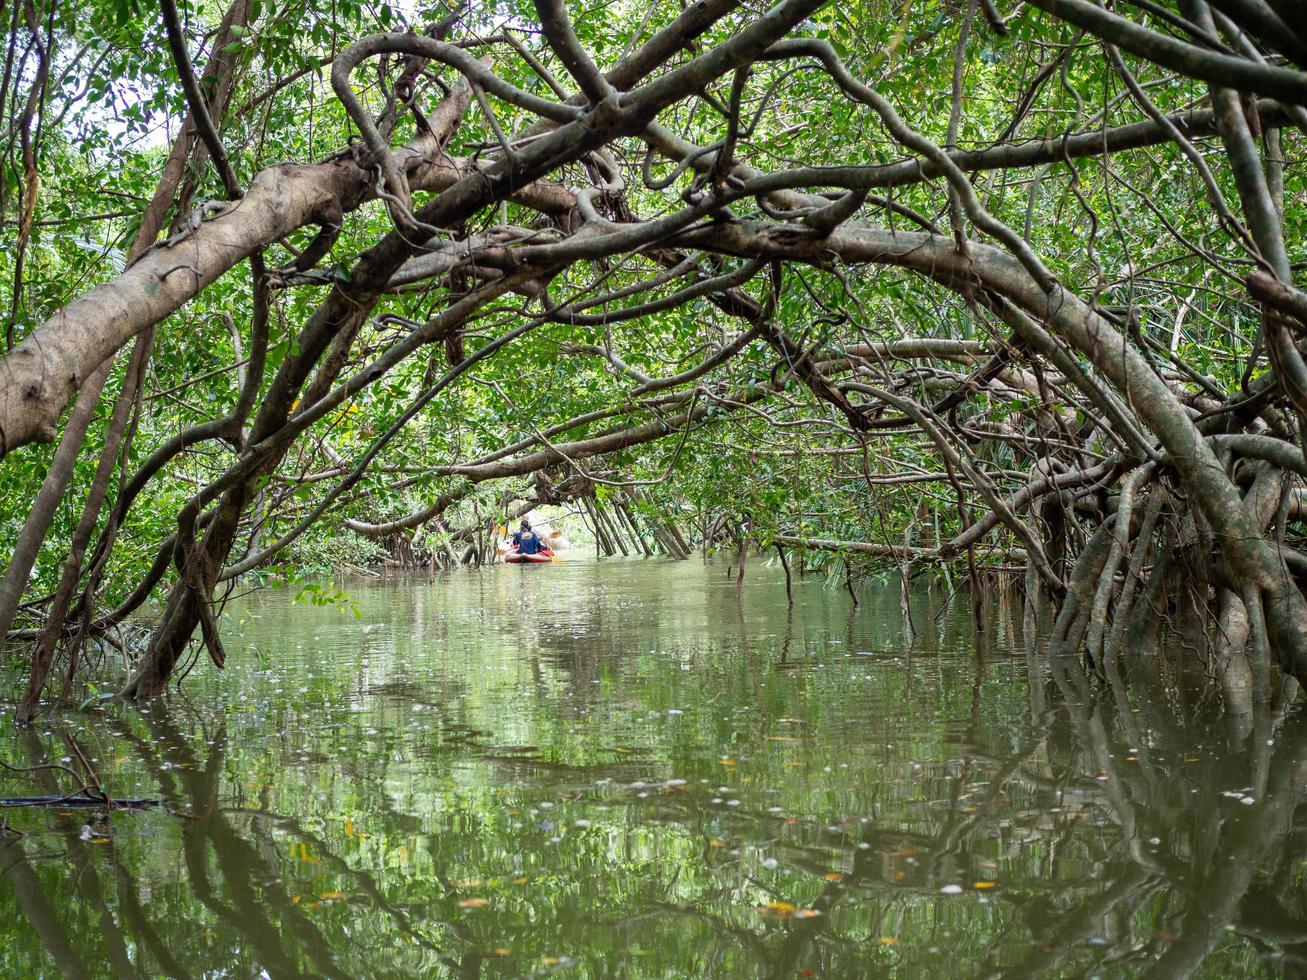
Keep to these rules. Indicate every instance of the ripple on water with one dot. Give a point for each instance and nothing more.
(611, 767)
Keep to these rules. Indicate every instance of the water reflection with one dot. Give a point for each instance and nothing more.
(613, 770)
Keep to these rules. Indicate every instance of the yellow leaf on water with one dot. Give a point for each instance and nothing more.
(520, 881)
(777, 908)
(982, 885)
(715, 843)
(311, 905)
(806, 914)
(331, 896)
(834, 875)
(295, 900)
(889, 940)
(501, 951)
(550, 960)
(474, 903)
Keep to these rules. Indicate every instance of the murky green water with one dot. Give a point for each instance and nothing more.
(612, 770)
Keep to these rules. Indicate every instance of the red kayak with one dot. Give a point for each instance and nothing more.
(540, 558)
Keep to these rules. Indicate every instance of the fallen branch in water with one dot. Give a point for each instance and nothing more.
(78, 801)
(897, 552)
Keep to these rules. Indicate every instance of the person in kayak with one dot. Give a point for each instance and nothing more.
(527, 542)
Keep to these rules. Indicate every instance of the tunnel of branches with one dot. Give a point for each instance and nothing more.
(1004, 292)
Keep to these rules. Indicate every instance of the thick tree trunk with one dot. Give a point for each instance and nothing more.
(42, 373)
(43, 655)
(219, 72)
(42, 512)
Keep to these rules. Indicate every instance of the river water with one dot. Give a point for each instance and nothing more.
(612, 769)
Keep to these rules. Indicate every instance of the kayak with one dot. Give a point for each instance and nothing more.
(517, 558)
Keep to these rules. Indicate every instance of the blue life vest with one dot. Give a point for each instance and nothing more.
(528, 542)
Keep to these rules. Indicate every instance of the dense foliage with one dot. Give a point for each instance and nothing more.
(915, 283)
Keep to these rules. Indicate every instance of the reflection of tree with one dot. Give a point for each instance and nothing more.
(48, 924)
(28, 887)
(238, 861)
(253, 885)
(1210, 849)
(1103, 828)
(1148, 857)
